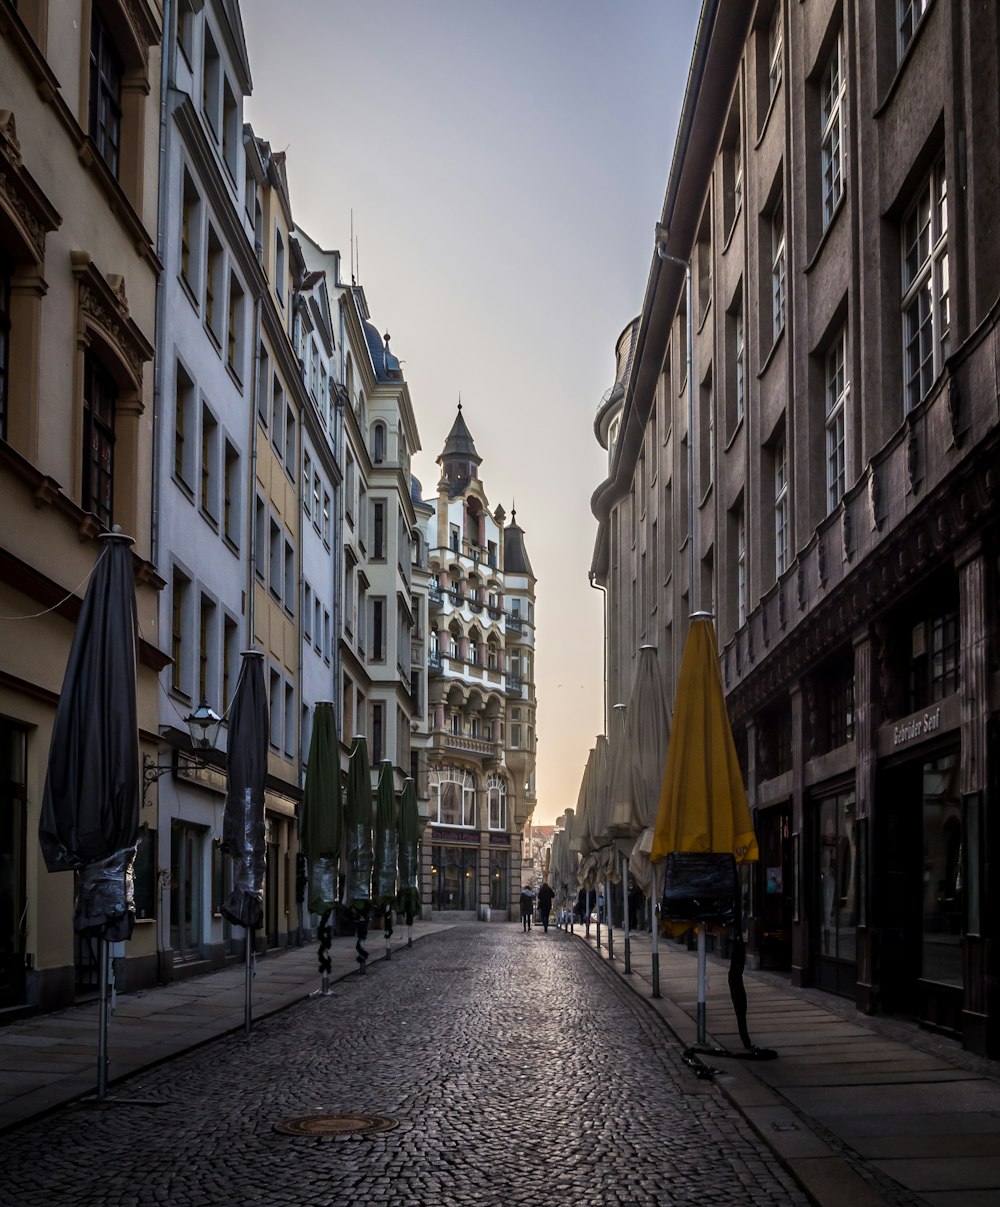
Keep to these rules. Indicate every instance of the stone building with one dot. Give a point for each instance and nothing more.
(477, 780)
(79, 116)
(806, 444)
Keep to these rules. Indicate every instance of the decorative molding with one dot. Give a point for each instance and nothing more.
(912, 455)
(28, 207)
(103, 307)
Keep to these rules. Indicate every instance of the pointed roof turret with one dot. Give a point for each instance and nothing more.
(459, 458)
(515, 556)
(460, 442)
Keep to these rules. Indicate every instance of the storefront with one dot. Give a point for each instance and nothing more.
(454, 877)
(772, 892)
(838, 891)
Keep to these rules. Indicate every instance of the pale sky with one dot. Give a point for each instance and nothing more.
(505, 161)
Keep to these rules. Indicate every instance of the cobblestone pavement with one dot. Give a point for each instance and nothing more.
(521, 1072)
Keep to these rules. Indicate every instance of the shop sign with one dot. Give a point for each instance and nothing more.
(916, 727)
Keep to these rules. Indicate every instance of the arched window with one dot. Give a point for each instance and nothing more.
(378, 443)
(496, 798)
(455, 793)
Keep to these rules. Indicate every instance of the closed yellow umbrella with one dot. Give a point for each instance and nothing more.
(703, 804)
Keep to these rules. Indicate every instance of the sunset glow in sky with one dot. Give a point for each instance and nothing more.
(505, 161)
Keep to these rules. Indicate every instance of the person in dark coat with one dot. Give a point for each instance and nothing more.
(545, 896)
(527, 905)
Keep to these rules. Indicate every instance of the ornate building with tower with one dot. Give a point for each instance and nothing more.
(476, 760)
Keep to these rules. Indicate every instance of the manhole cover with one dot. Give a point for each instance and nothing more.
(335, 1125)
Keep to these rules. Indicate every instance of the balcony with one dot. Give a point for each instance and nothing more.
(494, 613)
(513, 684)
(476, 606)
(514, 624)
(434, 663)
(467, 745)
(435, 595)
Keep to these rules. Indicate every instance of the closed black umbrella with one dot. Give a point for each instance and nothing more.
(90, 807)
(322, 827)
(243, 821)
(360, 856)
(386, 850)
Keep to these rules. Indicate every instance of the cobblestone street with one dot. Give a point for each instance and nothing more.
(520, 1072)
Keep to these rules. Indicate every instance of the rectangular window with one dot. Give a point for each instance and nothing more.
(327, 637)
(290, 441)
(378, 528)
(260, 539)
(741, 566)
(231, 510)
(100, 395)
(836, 420)
(307, 483)
(276, 710)
(740, 357)
(230, 130)
(290, 592)
(831, 119)
(105, 93)
(781, 511)
(316, 504)
(307, 609)
(326, 519)
(206, 647)
(908, 17)
(234, 344)
(378, 732)
(378, 630)
(190, 233)
(925, 287)
(778, 268)
(279, 266)
(774, 47)
(318, 627)
(211, 77)
(276, 578)
(178, 622)
(184, 417)
(263, 384)
(289, 720)
(214, 286)
(209, 497)
(278, 417)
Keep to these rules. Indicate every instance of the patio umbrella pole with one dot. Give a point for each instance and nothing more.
(325, 933)
(700, 928)
(247, 1006)
(102, 1032)
(654, 919)
(628, 943)
(388, 931)
(607, 919)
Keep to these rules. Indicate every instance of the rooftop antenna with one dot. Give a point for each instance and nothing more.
(353, 280)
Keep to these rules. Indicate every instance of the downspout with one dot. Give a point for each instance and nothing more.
(337, 545)
(252, 484)
(686, 265)
(166, 74)
(604, 591)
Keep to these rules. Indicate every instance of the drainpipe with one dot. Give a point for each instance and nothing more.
(166, 74)
(686, 265)
(604, 591)
(252, 485)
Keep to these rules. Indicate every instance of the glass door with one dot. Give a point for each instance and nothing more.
(838, 893)
(186, 891)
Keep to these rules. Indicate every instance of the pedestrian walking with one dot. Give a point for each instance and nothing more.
(527, 906)
(545, 897)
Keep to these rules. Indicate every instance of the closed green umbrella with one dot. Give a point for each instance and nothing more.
(408, 900)
(322, 827)
(386, 850)
(357, 899)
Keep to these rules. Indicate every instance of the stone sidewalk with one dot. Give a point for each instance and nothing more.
(51, 1059)
(913, 1105)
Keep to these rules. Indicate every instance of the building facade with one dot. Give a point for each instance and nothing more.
(79, 116)
(807, 446)
(477, 780)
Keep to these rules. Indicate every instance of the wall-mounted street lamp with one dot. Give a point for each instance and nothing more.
(203, 731)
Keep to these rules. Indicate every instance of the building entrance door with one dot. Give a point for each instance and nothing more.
(186, 843)
(775, 896)
(837, 893)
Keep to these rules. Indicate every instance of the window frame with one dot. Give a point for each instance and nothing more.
(836, 390)
(925, 294)
(832, 123)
